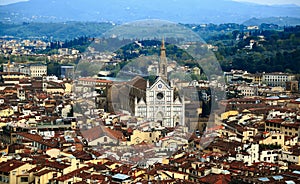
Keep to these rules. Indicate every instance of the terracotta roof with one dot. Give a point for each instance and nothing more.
(43, 172)
(37, 138)
(100, 131)
(71, 174)
(11, 73)
(56, 165)
(89, 79)
(278, 121)
(35, 169)
(216, 179)
(10, 165)
(82, 155)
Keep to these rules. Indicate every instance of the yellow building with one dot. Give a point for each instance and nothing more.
(284, 127)
(227, 114)
(14, 171)
(248, 134)
(6, 111)
(140, 136)
(43, 176)
(273, 138)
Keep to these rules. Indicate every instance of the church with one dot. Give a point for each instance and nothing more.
(161, 103)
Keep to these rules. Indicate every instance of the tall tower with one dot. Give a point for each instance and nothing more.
(162, 71)
(8, 66)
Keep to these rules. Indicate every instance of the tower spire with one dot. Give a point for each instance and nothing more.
(8, 66)
(163, 61)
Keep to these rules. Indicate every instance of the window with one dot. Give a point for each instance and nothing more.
(24, 179)
(160, 96)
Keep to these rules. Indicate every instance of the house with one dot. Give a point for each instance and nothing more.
(274, 138)
(6, 111)
(249, 153)
(144, 136)
(100, 135)
(294, 104)
(14, 171)
(248, 90)
(270, 155)
(44, 176)
(291, 156)
(288, 128)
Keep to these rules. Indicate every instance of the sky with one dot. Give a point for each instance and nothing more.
(5, 2)
(268, 2)
(272, 2)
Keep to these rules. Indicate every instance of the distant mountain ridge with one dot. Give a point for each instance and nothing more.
(120, 11)
(281, 21)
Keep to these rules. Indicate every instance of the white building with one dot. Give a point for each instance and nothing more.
(270, 156)
(249, 154)
(277, 79)
(38, 70)
(33, 70)
(160, 103)
(247, 90)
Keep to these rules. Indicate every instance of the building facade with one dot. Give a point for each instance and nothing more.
(161, 104)
(277, 79)
(38, 70)
(67, 72)
(33, 70)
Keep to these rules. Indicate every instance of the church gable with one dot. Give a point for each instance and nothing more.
(141, 102)
(177, 101)
(160, 84)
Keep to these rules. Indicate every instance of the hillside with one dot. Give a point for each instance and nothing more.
(54, 31)
(281, 21)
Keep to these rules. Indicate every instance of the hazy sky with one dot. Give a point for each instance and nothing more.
(269, 2)
(3, 2)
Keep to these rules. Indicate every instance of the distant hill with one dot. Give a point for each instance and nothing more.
(120, 11)
(54, 31)
(281, 21)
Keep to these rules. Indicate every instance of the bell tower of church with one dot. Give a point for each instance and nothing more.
(161, 104)
(162, 70)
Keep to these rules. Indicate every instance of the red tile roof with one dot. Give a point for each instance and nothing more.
(100, 131)
(216, 179)
(43, 172)
(56, 165)
(10, 165)
(72, 174)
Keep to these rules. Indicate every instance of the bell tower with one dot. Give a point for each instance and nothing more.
(162, 71)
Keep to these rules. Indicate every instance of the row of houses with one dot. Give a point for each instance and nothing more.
(274, 79)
